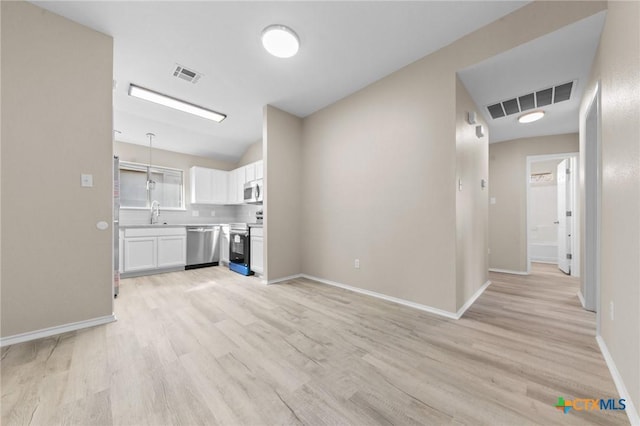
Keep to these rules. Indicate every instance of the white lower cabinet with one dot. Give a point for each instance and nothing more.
(149, 249)
(172, 251)
(225, 238)
(140, 253)
(256, 250)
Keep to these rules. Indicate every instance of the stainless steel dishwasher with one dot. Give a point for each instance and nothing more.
(203, 246)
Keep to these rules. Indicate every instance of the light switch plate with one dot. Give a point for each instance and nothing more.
(86, 180)
(471, 117)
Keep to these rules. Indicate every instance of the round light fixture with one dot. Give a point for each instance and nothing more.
(530, 117)
(280, 41)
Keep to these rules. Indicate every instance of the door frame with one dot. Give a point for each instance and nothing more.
(575, 224)
(592, 205)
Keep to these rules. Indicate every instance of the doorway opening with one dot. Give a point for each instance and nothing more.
(552, 206)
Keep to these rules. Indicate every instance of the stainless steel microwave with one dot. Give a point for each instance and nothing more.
(253, 192)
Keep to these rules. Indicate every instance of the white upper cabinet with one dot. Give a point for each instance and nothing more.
(209, 186)
(253, 171)
(249, 172)
(259, 169)
(236, 186)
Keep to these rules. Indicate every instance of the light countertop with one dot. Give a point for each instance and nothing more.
(170, 225)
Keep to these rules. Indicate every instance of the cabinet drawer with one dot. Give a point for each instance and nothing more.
(257, 232)
(154, 232)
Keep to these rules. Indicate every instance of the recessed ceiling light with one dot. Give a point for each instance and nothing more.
(280, 41)
(159, 98)
(530, 117)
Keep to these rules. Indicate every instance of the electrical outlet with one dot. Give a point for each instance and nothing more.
(356, 264)
(195, 213)
(611, 310)
(213, 213)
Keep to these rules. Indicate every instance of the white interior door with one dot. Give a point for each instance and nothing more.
(564, 218)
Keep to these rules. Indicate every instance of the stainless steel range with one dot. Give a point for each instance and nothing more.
(239, 250)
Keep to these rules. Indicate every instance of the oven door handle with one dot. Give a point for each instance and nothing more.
(244, 233)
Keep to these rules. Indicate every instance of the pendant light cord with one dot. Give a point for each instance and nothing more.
(149, 181)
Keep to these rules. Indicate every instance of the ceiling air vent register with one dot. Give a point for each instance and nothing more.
(186, 74)
(540, 98)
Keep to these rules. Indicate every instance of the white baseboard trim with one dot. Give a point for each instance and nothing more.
(548, 260)
(425, 308)
(581, 299)
(414, 305)
(631, 411)
(472, 299)
(52, 331)
(279, 280)
(508, 271)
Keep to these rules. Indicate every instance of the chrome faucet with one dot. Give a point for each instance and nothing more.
(155, 211)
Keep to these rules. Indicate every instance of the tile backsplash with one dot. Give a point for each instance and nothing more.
(221, 214)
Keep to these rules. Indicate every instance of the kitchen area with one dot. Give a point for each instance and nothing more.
(171, 213)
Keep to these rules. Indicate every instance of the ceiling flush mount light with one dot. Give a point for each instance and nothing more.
(530, 117)
(168, 101)
(280, 41)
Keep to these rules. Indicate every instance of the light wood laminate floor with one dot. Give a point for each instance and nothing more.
(209, 346)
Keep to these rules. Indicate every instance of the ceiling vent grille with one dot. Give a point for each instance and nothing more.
(186, 74)
(540, 98)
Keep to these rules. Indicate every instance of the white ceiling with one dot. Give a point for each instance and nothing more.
(344, 47)
(556, 58)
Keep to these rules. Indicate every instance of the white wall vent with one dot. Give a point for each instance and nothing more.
(186, 74)
(537, 99)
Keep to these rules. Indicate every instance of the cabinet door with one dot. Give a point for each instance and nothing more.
(257, 254)
(201, 185)
(231, 188)
(140, 253)
(224, 244)
(220, 186)
(240, 184)
(260, 169)
(249, 172)
(172, 251)
(236, 186)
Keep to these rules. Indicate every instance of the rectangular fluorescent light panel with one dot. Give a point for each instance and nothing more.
(159, 98)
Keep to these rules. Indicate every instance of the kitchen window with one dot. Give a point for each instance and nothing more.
(168, 191)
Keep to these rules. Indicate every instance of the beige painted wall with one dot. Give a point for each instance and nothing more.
(617, 66)
(282, 140)
(380, 168)
(472, 166)
(56, 124)
(140, 154)
(507, 178)
(251, 155)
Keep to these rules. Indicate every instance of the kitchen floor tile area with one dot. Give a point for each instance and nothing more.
(208, 346)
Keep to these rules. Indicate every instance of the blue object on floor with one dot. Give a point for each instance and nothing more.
(240, 268)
